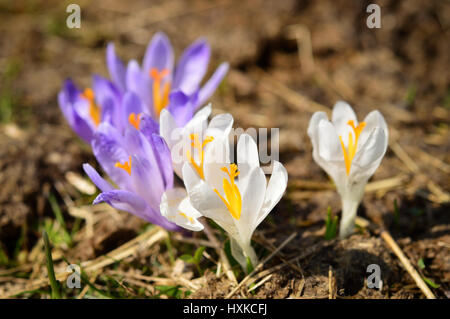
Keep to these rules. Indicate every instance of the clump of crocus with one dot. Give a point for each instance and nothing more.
(156, 85)
(139, 163)
(236, 196)
(350, 152)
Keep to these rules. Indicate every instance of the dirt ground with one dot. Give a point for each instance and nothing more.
(288, 59)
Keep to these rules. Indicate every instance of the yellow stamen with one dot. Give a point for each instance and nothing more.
(126, 166)
(233, 196)
(160, 99)
(349, 154)
(94, 109)
(190, 219)
(135, 120)
(201, 152)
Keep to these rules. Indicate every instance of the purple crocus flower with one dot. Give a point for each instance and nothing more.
(85, 110)
(160, 84)
(147, 89)
(139, 163)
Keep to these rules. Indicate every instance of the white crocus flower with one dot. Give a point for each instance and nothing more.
(236, 197)
(189, 144)
(349, 152)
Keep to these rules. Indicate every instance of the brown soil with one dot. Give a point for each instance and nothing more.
(401, 69)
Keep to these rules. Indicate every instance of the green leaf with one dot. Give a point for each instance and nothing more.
(249, 266)
(330, 225)
(170, 291)
(430, 282)
(187, 258)
(421, 264)
(198, 254)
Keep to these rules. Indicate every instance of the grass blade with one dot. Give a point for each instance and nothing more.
(51, 271)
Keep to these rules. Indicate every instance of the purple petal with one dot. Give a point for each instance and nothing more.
(115, 67)
(123, 200)
(192, 67)
(68, 100)
(147, 180)
(140, 84)
(148, 126)
(159, 54)
(97, 179)
(108, 97)
(108, 149)
(208, 89)
(131, 104)
(104, 89)
(134, 204)
(180, 107)
(164, 159)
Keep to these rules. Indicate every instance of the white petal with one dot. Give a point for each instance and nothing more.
(205, 200)
(369, 157)
(217, 156)
(252, 201)
(220, 125)
(247, 156)
(342, 113)
(275, 190)
(330, 148)
(167, 125)
(175, 206)
(313, 127)
(199, 119)
(373, 120)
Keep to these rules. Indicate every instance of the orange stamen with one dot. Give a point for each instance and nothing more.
(201, 152)
(160, 99)
(126, 166)
(135, 120)
(350, 152)
(94, 109)
(233, 199)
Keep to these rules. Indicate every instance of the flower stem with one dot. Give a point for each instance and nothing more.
(349, 208)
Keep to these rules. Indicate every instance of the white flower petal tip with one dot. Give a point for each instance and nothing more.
(350, 152)
(176, 207)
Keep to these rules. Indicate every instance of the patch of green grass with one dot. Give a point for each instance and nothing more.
(249, 266)
(331, 223)
(430, 282)
(57, 231)
(54, 284)
(172, 292)
(195, 259)
(410, 95)
(170, 249)
(8, 98)
(4, 259)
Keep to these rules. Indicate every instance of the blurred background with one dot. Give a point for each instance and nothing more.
(288, 59)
